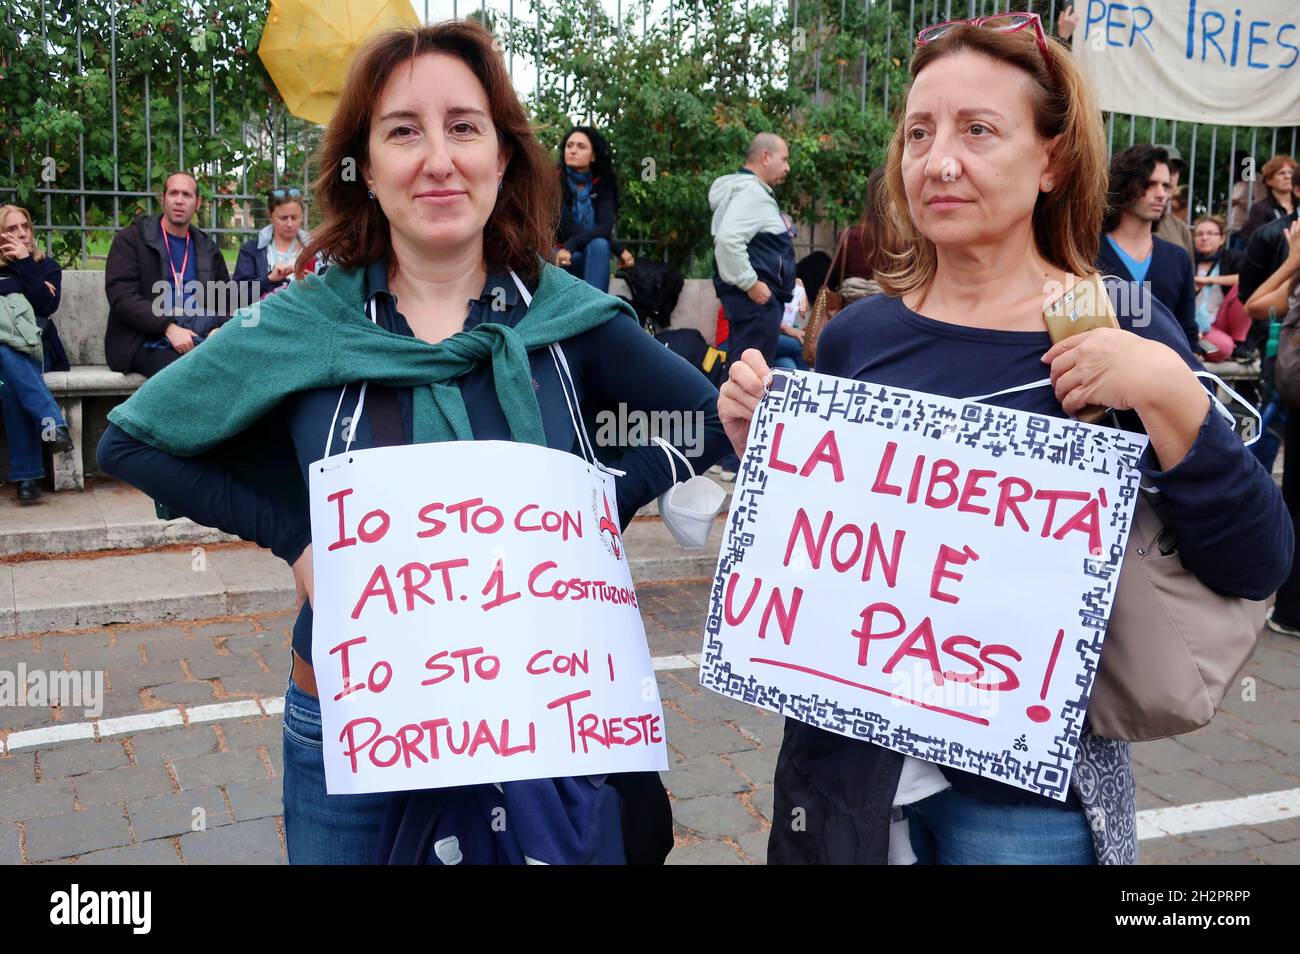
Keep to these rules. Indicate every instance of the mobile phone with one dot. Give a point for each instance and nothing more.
(1082, 308)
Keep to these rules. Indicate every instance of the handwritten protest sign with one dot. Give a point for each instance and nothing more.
(932, 575)
(475, 620)
(1193, 60)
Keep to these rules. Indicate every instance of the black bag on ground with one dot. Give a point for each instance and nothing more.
(655, 288)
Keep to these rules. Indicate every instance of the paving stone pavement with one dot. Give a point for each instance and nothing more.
(209, 792)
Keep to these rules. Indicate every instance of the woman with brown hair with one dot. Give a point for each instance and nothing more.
(1278, 202)
(438, 200)
(996, 182)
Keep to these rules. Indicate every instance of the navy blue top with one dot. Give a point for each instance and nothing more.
(1232, 527)
(183, 266)
(616, 362)
(28, 277)
(1168, 279)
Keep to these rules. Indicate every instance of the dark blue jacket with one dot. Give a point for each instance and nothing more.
(253, 267)
(1168, 280)
(26, 276)
(573, 236)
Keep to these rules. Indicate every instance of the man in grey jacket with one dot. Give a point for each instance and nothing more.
(753, 254)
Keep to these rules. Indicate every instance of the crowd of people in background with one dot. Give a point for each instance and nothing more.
(766, 297)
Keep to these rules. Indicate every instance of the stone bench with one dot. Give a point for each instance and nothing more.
(83, 315)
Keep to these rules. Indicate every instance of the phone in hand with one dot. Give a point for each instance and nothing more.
(1082, 308)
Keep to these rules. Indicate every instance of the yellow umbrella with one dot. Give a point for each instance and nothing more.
(308, 44)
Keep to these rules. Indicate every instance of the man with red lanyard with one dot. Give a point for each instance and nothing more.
(167, 284)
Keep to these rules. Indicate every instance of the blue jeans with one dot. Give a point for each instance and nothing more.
(321, 829)
(789, 354)
(29, 409)
(951, 829)
(591, 263)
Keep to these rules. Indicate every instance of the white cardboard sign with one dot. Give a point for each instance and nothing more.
(475, 620)
(929, 574)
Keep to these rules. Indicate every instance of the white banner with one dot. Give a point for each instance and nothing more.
(475, 620)
(928, 574)
(1199, 61)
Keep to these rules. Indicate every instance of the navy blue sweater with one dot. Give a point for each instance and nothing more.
(1232, 527)
(1168, 280)
(614, 363)
(26, 276)
(603, 203)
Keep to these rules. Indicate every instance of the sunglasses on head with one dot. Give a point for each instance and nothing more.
(291, 193)
(1001, 23)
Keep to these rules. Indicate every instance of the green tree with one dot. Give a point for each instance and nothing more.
(210, 107)
(680, 102)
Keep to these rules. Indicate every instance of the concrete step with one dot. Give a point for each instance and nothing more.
(109, 515)
(219, 579)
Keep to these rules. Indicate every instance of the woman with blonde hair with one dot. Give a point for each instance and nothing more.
(30, 287)
(438, 205)
(996, 181)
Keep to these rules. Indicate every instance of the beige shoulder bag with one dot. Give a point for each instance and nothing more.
(1173, 646)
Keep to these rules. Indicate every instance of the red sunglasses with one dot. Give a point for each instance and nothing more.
(1002, 23)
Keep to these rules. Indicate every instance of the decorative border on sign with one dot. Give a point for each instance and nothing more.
(1061, 441)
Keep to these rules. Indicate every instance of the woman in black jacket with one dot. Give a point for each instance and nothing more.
(1279, 202)
(30, 412)
(588, 208)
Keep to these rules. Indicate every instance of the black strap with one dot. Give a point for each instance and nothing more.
(385, 416)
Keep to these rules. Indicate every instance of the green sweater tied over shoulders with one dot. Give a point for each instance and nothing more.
(317, 334)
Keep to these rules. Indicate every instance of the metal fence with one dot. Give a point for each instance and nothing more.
(270, 136)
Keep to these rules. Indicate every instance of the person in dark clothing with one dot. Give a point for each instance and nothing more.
(1265, 253)
(1130, 250)
(588, 209)
(31, 415)
(1278, 297)
(38, 277)
(161, 280)
(1278, 175)
(995, 177)
(753, 252)
(754, 270)
(812, 270)
(450, 222)
(266, 263)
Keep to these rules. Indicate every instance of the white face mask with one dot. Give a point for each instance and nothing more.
(688, 507)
